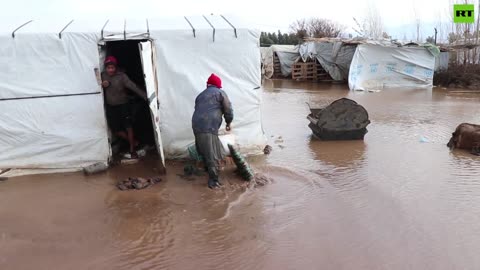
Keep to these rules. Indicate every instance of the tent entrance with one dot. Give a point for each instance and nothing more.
(136, 60)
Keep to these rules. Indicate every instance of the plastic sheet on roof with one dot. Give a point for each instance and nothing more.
(334, 57)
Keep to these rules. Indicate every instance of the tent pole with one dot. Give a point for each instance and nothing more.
(60, 34)
(125, 29)
(211, 26)
(148, 29)
(13, 33)
(190, 26)
(234, 29)
(105, 25)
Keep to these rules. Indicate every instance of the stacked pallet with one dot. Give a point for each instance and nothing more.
(322, 74)
(277, 70)
(304, 71)
(309, 71)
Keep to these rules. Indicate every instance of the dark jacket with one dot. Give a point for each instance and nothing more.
(210, 106)
(117, 92)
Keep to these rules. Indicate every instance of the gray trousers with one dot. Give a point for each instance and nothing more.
(211, 149)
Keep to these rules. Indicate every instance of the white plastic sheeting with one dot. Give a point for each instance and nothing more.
(334, 57)
(267, 62)
(52, 114)
(287, 56)
(376, 67)
(55, 131)
(44, 64)
(441, 61)
(184, 64)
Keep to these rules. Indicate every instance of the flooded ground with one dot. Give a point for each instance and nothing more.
(398, 200)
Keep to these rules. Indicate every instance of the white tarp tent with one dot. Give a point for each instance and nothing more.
(287, 55)
(375, 67)
(441, 61)
(52, 114)
(335, 57)
(267, 62)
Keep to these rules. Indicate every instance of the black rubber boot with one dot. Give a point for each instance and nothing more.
(218, 183)
(212, 183)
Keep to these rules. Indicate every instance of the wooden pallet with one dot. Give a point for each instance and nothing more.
(304, 71)
(277, 70)
(322, 74)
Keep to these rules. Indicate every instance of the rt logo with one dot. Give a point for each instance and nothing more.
(463, 13)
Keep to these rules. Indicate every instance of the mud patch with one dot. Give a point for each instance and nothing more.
(459, 77)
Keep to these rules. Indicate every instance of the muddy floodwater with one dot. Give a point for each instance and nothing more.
(400, 199)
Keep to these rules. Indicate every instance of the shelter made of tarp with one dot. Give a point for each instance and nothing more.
(267, 62)
(441, 61)
(334, 56)
(287, 55)
(52, 110)
(376, 67)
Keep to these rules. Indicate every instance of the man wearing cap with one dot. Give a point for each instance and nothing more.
(116, 86)
(210, 106)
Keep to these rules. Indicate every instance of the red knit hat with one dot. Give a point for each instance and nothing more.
(111, 60)
(215, 80)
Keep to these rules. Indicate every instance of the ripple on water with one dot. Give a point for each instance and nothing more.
(142, 230)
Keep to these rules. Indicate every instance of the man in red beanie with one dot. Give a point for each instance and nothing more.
(210, 106)
(119, 112)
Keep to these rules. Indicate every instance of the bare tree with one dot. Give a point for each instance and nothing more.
(374, 22)
(300, 29)
(316, 28)
(372, 25)
(417, 22)
(465, 33)
(319, 28)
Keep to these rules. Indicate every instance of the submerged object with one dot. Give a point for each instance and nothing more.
(423, 139)
(466, 136)
(137, 183)
(343, 119)
(244, 169)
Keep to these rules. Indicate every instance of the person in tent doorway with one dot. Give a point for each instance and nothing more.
(210, 106)
(119, 111)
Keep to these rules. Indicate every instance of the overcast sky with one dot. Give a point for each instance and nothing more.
(266, 15)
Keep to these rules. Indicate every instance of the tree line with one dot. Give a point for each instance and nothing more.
(301, 29)
(369, 26)
(267, 39)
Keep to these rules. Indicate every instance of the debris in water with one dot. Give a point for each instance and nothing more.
(243, 168)
(267, 150)
(423, 140)
(189, 171)
(129, 161)
(137, 183)
(281, 146)
(466, 136)
(343, 119)
(260, 180)
(3, 179)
